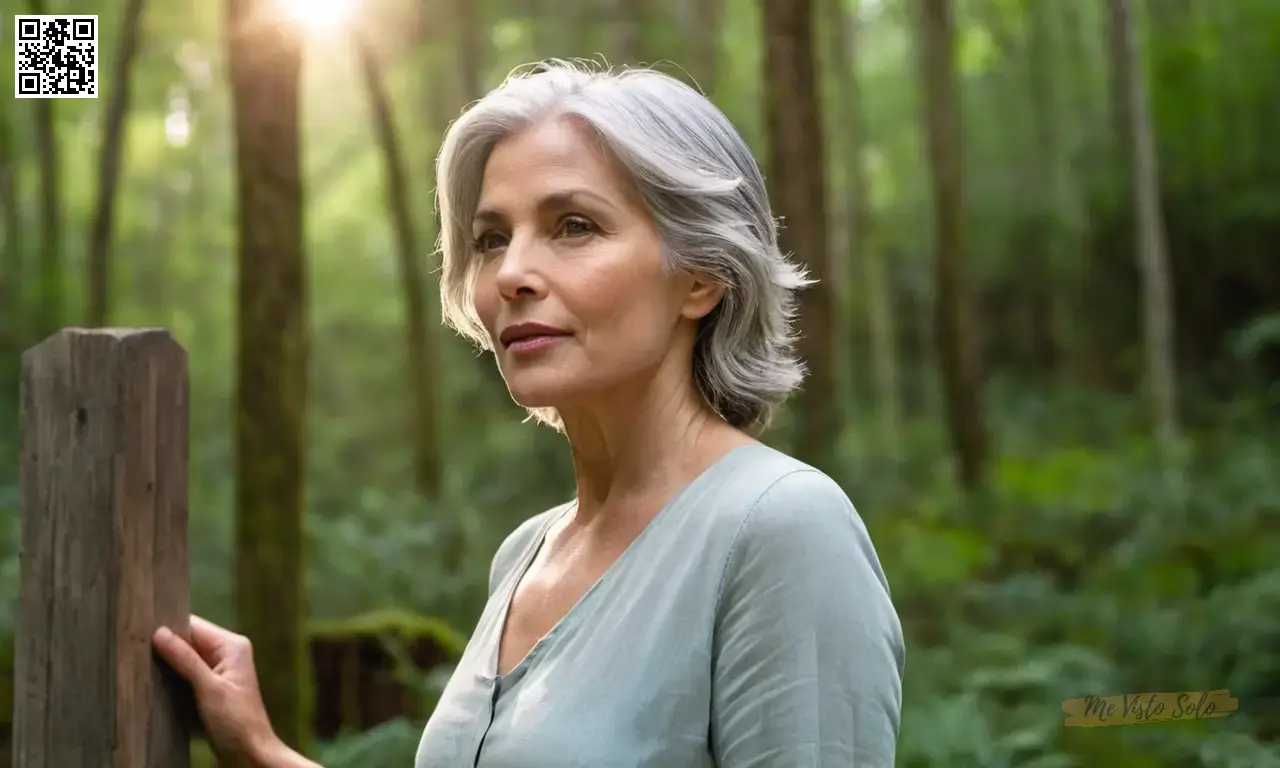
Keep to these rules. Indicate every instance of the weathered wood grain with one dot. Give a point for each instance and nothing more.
(104, 417)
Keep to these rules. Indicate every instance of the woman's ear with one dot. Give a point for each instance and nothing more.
(703, 296)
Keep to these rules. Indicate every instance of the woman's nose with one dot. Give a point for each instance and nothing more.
(520, 270)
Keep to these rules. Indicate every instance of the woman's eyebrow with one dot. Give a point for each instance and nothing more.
(550, 202)
(568, 197)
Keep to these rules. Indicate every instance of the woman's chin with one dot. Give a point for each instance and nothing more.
(546, 387)
(543, 396)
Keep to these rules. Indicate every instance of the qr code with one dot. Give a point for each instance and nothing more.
(56, 57)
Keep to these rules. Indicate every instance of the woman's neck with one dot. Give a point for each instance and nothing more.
(653, 438)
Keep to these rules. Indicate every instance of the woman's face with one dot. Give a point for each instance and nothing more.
(571, 286)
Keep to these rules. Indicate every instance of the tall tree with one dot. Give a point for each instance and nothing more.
(265, 57)
(1045, 227)
(797, 171)
(442, 54)
(629, 18)
(469, 18)
(576, 38)
(49, 309)
(537, 14)
(419, 342)
(1080, 107)
(1153, 258)
(12, 322)
(954, 334)
(1056, 225)
(704, 53)
(110, 157)
(874, 288)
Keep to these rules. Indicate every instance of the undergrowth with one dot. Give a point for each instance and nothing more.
(1090, 567)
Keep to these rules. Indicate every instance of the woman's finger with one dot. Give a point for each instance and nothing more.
(181, 656)
(209, 639)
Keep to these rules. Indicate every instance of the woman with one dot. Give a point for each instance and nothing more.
(704, 600)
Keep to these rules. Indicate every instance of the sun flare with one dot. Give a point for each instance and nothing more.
(319, 15)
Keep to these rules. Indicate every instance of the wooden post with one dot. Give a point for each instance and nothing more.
(104, 551)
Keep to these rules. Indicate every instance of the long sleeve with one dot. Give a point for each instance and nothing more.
(808, 653)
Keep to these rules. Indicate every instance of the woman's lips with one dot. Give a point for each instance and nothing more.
(535, 343)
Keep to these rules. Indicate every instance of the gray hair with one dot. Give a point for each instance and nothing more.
(702, 187)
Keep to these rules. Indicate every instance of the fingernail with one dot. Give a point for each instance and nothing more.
(163, 634)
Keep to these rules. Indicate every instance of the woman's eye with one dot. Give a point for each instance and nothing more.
(489, 241)
(576, 226)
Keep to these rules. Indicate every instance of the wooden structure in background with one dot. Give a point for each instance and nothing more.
(104, 417)
(369, 669)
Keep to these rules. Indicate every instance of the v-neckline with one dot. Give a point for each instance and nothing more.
(531, 554)
(509, 594)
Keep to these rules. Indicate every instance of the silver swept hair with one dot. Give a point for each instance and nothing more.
(701, 185)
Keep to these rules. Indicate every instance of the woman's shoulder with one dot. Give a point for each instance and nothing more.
(769, 484)
(800, 527)
(770, 502)
(756, 493)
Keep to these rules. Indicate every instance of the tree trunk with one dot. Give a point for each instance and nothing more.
(12, 320)
(628, 19)
(577, 37)
(954, 334)
(875, 288)
(704, 58)
(540, 40)
(440, 102)
(153, 276)
(1082, 109)
(419, 346)
(1053, 217)
(110, 157)
(797, 165)
(469, 17)
(49, 310)
(265, 56)
(1120, 113)
(1153, 257)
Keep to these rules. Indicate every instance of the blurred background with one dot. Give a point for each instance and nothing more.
(1044, 353)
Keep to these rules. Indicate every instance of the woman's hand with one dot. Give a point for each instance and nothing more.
(219, 665)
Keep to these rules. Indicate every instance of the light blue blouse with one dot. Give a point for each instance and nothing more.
(749, 624)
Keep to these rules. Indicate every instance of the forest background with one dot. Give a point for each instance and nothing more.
(1045, 351)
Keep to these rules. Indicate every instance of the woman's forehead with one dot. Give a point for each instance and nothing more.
(553, 140)
(557, 160)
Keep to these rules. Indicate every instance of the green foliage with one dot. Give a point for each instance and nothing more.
(1261, 334)
(1090, 566)
(1100, 573)
(390, 745)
